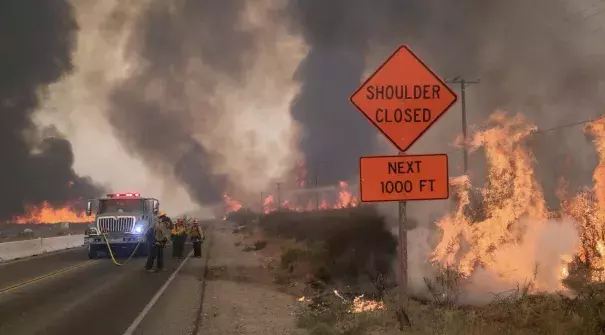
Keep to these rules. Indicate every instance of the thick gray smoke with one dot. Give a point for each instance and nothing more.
(161, 133)
(334, 134)
(37, 38)
(538, 58)
(200, 90)
(201, 106)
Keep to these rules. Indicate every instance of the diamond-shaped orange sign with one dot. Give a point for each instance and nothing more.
(403, 98)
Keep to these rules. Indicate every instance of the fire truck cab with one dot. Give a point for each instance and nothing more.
(122, 219)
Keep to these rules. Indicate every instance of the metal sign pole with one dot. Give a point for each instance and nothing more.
(403, 252)
(402, 316)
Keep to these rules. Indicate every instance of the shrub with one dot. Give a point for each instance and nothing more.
(242, 216)
(259, 245)
(344, 247)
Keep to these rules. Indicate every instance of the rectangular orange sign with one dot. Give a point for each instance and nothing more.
(404, 178)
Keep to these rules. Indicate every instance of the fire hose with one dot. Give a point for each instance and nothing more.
(113, 259)
(131, 255)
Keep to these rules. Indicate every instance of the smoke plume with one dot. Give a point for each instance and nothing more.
(37, 38)
(537, 58)
(190, 97)
(208, 102)
(209, 97)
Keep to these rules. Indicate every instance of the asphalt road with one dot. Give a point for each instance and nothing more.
(66, 293)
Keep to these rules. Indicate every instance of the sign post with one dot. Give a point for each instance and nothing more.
(403, 99)
(402, 233)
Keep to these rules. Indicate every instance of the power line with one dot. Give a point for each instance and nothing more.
(565, 126)
(593, 14)
(594, 4)
(542, 131)
(579, 16)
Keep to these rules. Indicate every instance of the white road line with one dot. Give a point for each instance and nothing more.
(155, 298)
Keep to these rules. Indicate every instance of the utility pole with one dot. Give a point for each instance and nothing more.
(278, 196)
(316, 187)
(262, 203)
(463, 84)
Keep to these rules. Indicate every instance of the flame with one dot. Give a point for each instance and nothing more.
(232, 205)
(489, 234)
(344, 199)
(361, 305)
(45, 213)
(588, 210)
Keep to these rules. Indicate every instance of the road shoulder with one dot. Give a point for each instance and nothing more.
(176, 311)
(224, 292)
(239, 297)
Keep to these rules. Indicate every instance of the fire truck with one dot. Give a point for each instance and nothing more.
(121, 222)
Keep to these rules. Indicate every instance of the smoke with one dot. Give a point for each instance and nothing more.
(190, 98)
(37, 39)
(544, 65)
(334, 134)
(208, 101)
(535, 261)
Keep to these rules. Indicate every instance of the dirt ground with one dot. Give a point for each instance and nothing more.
(239, 295)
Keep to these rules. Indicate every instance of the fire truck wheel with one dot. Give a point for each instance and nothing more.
(93, 252)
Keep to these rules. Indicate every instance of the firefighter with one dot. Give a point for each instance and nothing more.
(179, 235)
(196, 238)
(157, 238)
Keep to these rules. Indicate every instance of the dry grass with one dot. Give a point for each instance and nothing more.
(352, 251)
(517, 314)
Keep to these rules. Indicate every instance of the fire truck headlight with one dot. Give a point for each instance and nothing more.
(91, 231)
(138, 229)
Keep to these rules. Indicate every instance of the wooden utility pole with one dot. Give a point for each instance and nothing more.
(316, 187)
(463, 84)
(262, 203)
(278, 196)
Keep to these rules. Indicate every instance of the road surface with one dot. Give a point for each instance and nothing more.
(222, 293)
(65, 293)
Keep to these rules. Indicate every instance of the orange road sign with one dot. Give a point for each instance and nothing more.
(403, 98)
(404, 178)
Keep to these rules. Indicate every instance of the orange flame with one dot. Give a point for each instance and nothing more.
(232, 205)
(493, 234)
(45, 213)
(588, 210)
(345, 199)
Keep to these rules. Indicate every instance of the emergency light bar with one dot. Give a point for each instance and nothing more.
(128, 195)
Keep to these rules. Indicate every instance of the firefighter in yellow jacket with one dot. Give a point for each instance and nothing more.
(157, 238)
(179, 236)
(196, 238)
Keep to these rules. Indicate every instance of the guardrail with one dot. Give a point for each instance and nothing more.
(38, 246)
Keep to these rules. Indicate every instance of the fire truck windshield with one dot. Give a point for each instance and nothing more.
(120, 205)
